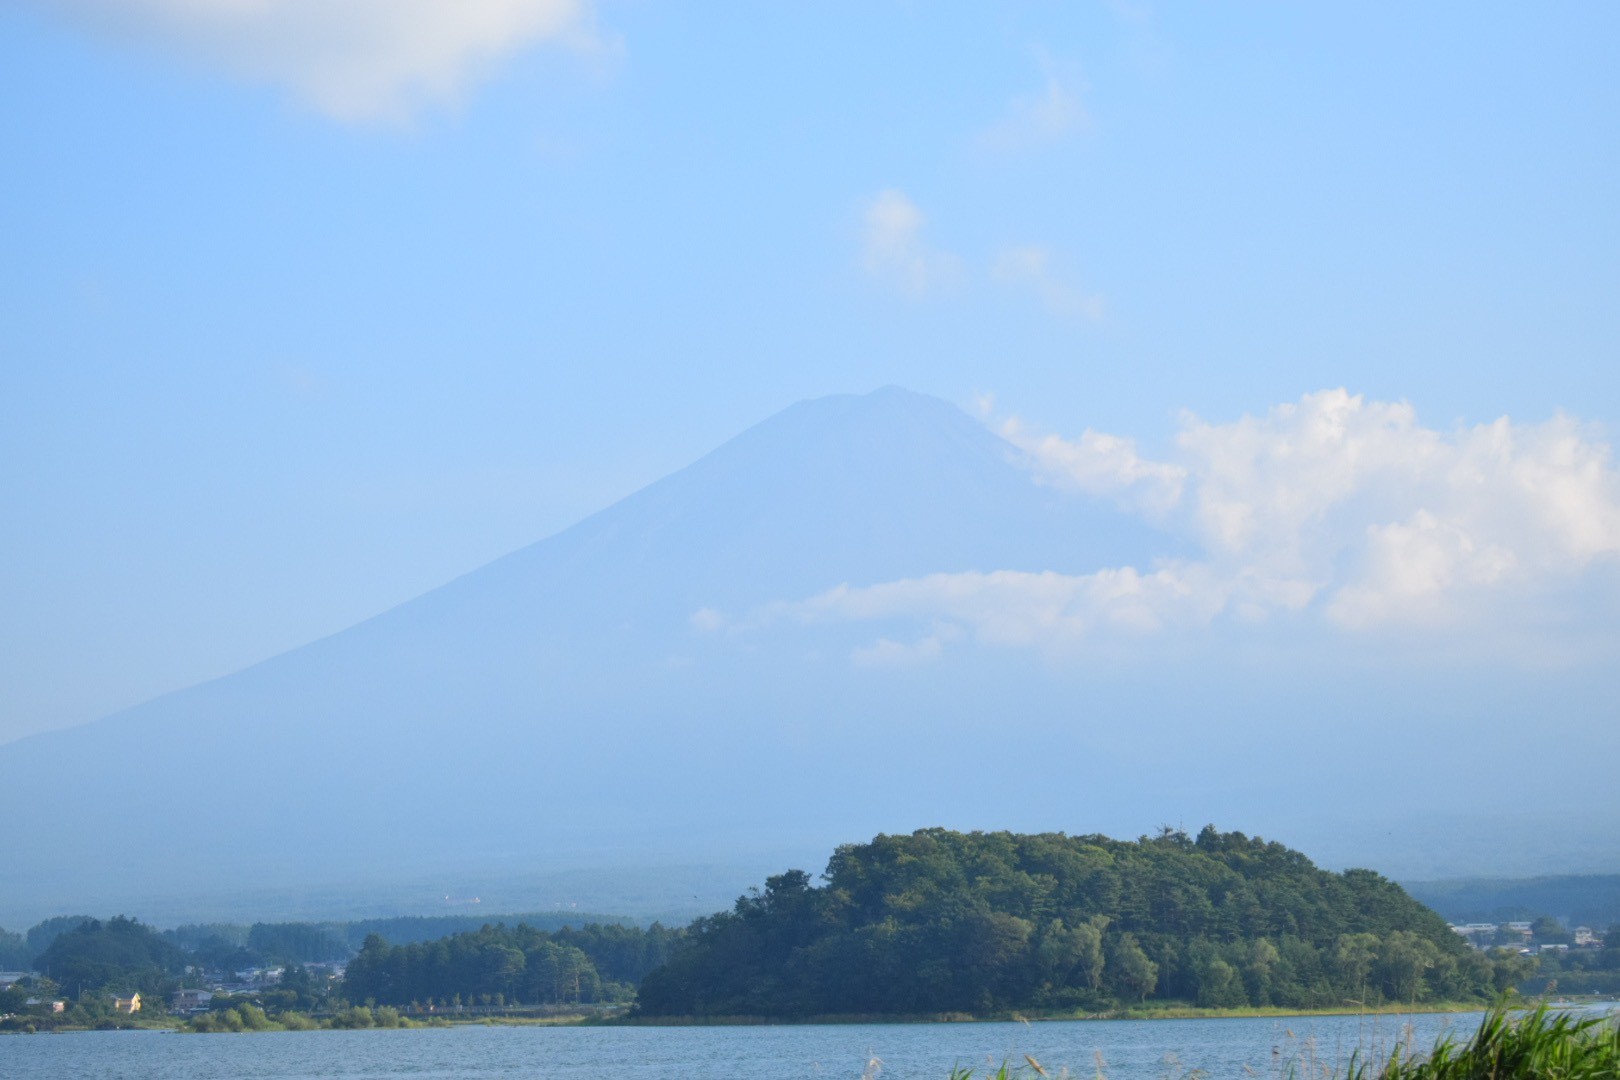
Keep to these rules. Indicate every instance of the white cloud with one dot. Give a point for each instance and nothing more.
(893, 249)
(1099, 464)
(884, 653)
(1334, 507)
(1008, 607)
(1358, 494)
(708, 620)
(352, 59)
(1030, 267)
(1408, 567)
(1047, 115)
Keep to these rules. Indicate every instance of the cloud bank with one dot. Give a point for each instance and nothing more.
(355, 60)
(1336, 509)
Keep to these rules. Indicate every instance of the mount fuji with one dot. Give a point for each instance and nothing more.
(645, 690)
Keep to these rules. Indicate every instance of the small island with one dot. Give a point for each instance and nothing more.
(942, 923)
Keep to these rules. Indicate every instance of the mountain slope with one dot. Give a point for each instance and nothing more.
(544, 692)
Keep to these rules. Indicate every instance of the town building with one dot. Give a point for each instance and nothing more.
(190, 1000)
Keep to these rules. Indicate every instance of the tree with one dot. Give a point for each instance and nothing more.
(1130, 971)
(14, 951)
(1354, 957)
(1403, 959)
(504, 966)
(1546, 930)
(1073, 955)
(1260, 971)
(1218, 985)
(1090, 938)
(1507, 936)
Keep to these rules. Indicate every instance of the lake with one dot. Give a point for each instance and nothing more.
(1127, 1050)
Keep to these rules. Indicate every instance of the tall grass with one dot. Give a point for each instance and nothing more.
(1539, 1045)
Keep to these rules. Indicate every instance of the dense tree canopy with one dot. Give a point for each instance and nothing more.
(941, 921)
(14, 951)
(119, 954)
(518, 965)
(46, 931)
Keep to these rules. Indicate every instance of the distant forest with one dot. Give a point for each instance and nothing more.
(1578, 899)
(238, 946)
(517, 965)
(947, 922)
(522, 965)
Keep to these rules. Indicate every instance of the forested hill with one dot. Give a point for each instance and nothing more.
(942, 921)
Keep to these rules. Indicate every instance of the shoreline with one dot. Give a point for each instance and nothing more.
(1170, 1012)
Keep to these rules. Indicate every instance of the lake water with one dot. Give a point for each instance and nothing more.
(1128, 1050)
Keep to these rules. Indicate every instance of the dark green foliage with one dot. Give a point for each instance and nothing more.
(621, 953)
(232, 945)
(516, 966)
(15, 953)
(941, 921)
(1546, 930)
(194, 936)
(217, 954)
(408, 929)
(363, 1016)
(243, 1017)
(119, 954)
(1577, 971)
(296, 943)
(43, 933)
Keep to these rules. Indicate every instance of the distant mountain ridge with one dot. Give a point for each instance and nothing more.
(1591, 900)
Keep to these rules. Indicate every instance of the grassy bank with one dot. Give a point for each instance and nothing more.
(1172, 1011)
(1166, 1011)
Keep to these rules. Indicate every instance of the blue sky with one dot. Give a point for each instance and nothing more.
(308, 309)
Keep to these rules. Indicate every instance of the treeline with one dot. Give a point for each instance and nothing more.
(312, 942)
(229, 947)
(81, 956)
(947, 922)
(506, 966)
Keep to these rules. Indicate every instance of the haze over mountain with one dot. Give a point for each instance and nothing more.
(716, 670)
